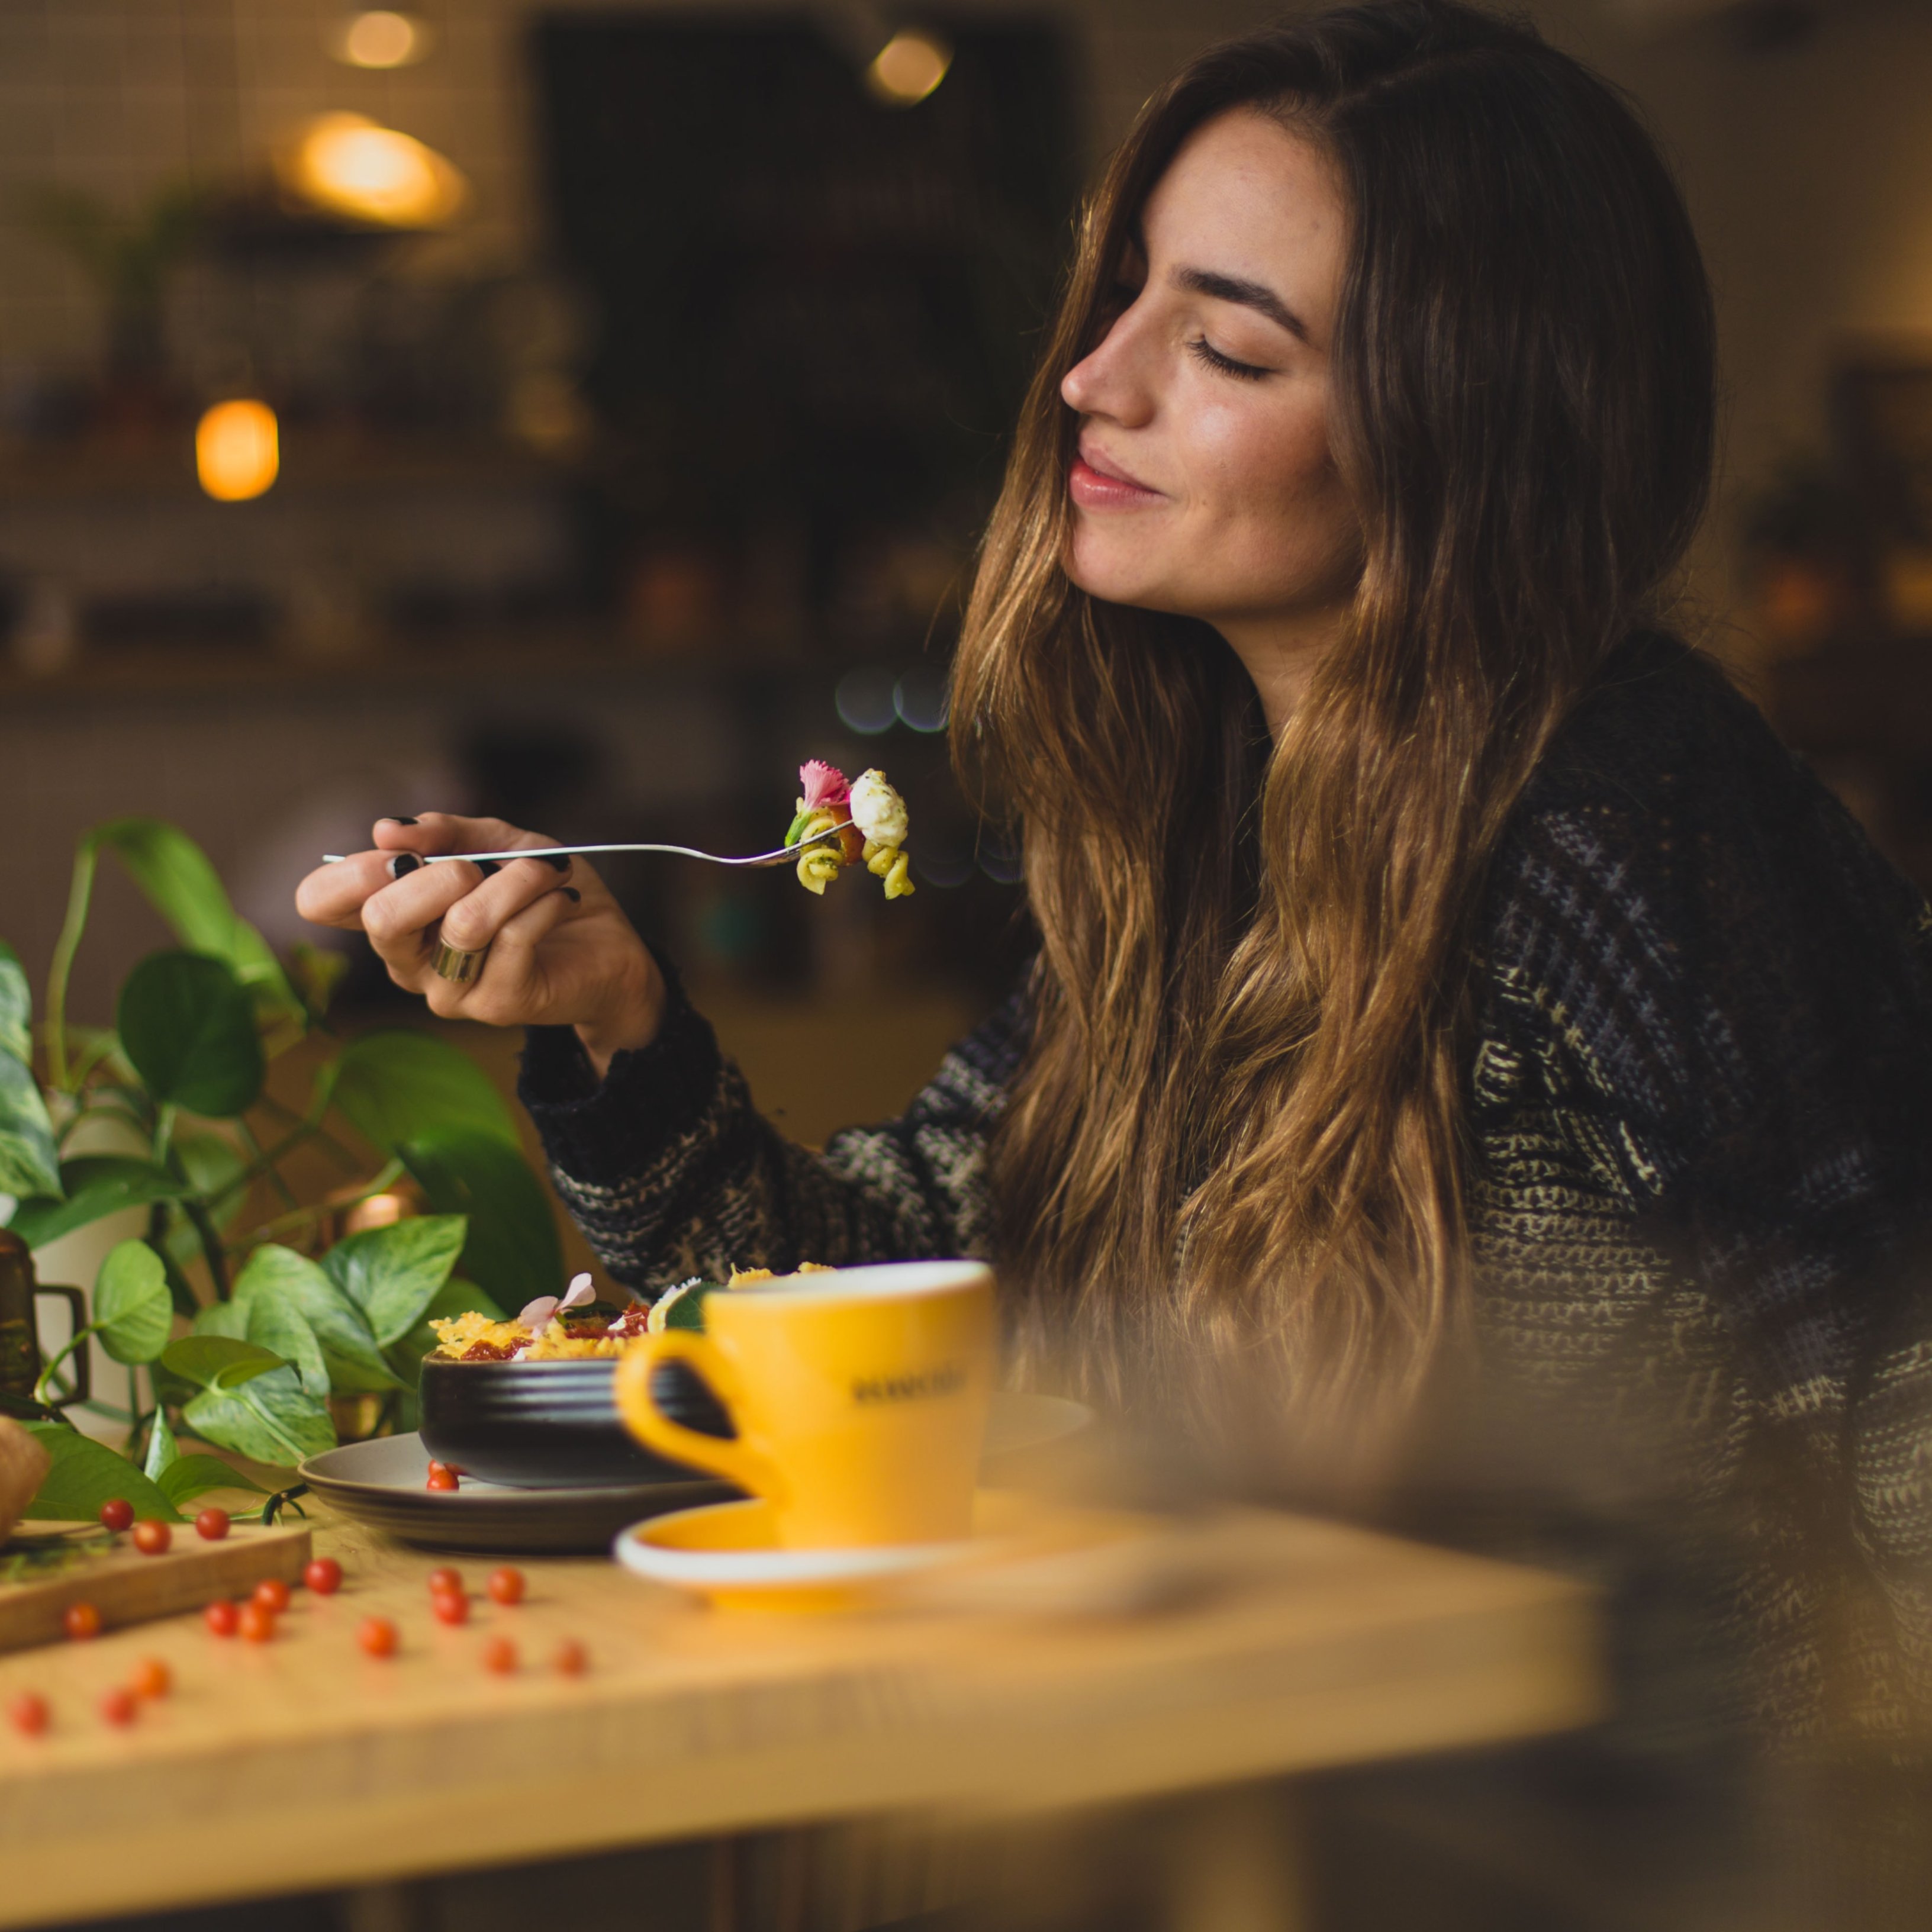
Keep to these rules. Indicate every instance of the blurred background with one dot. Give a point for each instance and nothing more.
(581, 413)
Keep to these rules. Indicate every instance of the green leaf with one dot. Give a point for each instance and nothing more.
(687, 1305)
(218, 1362)
(222, 1318)
(87, 1474)
(188, 1025)
(270, 1419)
(354, 1361)
(513, 1249)
(397, 1086)
(393, 1273)
(96, 1185)
(29, 1162)
(17, 1007)
(163, 1451)
(191, 1476)
(271, 1321)
(180, 883)
(133, 1312)
(211, 1161)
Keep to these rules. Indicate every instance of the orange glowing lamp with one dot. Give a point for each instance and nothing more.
(347, 165)
(238, 451)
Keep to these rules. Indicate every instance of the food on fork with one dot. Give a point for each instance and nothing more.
(869, 818)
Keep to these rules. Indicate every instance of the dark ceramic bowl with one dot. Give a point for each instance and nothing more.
(553, 1425)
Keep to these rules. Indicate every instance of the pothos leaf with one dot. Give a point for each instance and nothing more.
(162, 1452)
(270, 1418)
(87, 1474)
(192, 1476)
(133, 1310)
(218, 1361)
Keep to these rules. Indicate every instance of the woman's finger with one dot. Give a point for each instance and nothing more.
(335, 894)
(475, 920)
(448, 831)
(509, 990)
(397, 917)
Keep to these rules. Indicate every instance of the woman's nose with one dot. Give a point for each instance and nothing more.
(1107, 382)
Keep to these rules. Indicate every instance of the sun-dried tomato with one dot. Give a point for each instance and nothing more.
(486, 1351)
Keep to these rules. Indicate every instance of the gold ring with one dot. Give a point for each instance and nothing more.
(459, 968)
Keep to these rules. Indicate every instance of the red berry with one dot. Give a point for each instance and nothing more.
(445, 1579)
(151, 1536)
(449, 1607)
(81, 1621)
(441, 1477)
(117, 1513)
(272, 1593)
(324, 1576)
(256, 1621)
(222, 1618)
(569, 1658)
(118, 1706)
(377, 1635)
(212, 1523)
(27, 1712)
(150, 1678)
(500, 1654)
(505, 1585)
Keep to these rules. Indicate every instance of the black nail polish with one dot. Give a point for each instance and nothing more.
(390, 818)
(571, 894)
(403, 864)
(486, 866)
(561, 860)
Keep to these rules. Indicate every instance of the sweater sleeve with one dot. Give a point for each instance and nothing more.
(1734, 991)
(671, 1171)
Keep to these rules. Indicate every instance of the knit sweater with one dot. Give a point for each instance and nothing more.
(1701, 1163)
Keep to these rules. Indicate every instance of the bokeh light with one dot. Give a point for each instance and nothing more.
(346, 165)
(908, 67)
(381, 38)
(921, 700)
(237, 450)
(866, 700)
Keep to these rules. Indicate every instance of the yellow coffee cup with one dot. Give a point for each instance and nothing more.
(860, 1398)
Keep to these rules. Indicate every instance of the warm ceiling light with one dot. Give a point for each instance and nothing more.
(344, 164)
(237, 450)
(381, 39)
(908, 67)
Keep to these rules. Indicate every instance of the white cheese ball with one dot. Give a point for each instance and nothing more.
(878, 810)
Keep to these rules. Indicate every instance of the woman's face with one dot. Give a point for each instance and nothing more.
(1204, 485)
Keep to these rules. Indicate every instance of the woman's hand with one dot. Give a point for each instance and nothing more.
(561, 952)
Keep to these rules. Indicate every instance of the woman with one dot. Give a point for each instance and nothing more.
(1441, 969)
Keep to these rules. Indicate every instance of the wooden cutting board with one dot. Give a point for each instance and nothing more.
(128, 1588)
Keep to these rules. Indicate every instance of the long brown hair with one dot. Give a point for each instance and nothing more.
(1239, 1127)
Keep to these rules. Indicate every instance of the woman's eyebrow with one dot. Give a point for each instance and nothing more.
(1250, 295)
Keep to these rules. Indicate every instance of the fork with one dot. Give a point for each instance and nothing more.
(783, 855)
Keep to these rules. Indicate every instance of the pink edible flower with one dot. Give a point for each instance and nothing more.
(537, 1314)
(827, 787)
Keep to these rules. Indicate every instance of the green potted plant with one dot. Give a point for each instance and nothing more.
(241, 1328)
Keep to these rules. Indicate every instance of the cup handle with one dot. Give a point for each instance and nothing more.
(728, 1456)
(79, 1364)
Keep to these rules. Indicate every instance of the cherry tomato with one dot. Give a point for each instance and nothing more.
(377, 1635)
(117, 1706)
(500, 1654)
(117, 1513)
(256, 1621)
(441, 1476)
(212, 1523)
(27, 1712)
(150, 1678)
(272, 1593)
(505, 1585)
(445, 1579)
(450, 1607)
(569, 1658)
(324, 1576)
(222, 1618)
(151, 1537)
(81, 1621)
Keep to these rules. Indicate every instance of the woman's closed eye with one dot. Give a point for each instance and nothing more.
(1204, 351)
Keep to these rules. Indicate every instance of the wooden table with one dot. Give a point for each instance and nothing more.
(303, 1764)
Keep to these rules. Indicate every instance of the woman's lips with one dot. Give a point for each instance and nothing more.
(1094, 489)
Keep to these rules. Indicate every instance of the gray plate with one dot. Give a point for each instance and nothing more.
(383, 1483)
